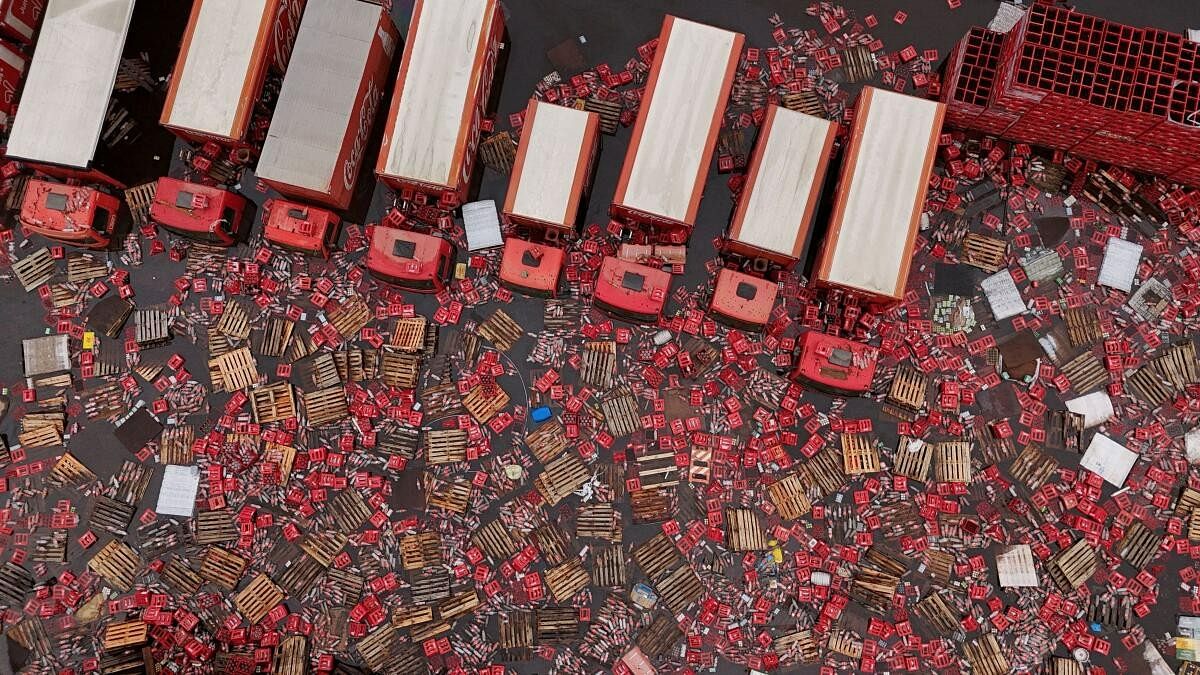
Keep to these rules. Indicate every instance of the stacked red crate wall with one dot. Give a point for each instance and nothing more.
(1070, 81)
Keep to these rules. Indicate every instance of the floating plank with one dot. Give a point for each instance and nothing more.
(485, 402)
(1150, 386)
(621, 412)
(566, 580)
(117, 563)
(1073, 566)
(599, 363)
(325, 406)
(859, 455)
(986, 253)
(350, 317)
(744, 531)
(407, 617)
(257, 598)
(237, 370)
(954, 462)
(349, 510)
(560, 478)
(801, 645)
(418, 551)
(222, 568)
(34, 269)
(274, 402)
(400, 370)
(1065, 665)
(501, 330)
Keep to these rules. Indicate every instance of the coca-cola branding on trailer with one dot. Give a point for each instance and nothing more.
(366, 114)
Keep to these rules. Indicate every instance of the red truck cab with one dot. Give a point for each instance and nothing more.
(742, 301)
(532, 269)
(300, 227)
(835, 365)
(630, 291)
(72, 214)
(411, 260)
(208, 214)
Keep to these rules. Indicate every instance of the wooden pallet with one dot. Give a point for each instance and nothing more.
(547, 441)
(599, 363)
(349, 510)
(274, 402)
(806, 102)
(356, 365)
(608, 567)
(621, 412)
(560, 478)
(430, 587)
(399, 440)
(316, 372)
(459, 605)
(347, 584)
(845, 643)
(151, 328)
(485, 402)
(1073, 566)
(1149, 386)
(378, 650)
(1085, 373)
(324, 546)
(1178, 365)
(68, 471)
(236, 370)
(409, 617)
(939, 613)
(939, 565)
(445, 446)
(399, 370)
(111, 515)
(117, 563)
(30, 633)
(790, 497)
(825, 472)
(515, 636)
(498, 152)
(257, 598)
(661, 636)
(123, 634)
(453, 497)
(913, 458)
(350, 317)
(554, 625)
(1033, 467)
(214, 527)
(953, 462)
(234, 322)
(859, 454)
(131, 481)
(657, 556)
(1065, 665)
(34, 269)
(50, 548)
(859, 63)
(274, 338)
(441, 400)
(986, 253)
(139, 199)
(291, 657)
(561, 314)
(1064, 430)
(1114, 612)
(83, 267)
(298, 577)
(1187, 502)
(222, 568)
(180, 577)
(421, 550)
(175, 444)
(609, 112)
(744, 531)
(908, 392)
(874, 589)
(656, 469)
(650, 505)
(495, 540)
(598, 521)
(409, 335)
(325, 406)
(1139, 545)
(15, 583)
(566, 580)
(985, 656)
(801, 646)
(501, 330)
(1083, 328)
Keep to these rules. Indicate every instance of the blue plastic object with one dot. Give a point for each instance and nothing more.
(541, 414)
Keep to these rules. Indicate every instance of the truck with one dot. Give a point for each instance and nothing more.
(228, 50)
(75, 121)
(835, 365)
(662, 179)
(326, 110)
(551, 176)
(774, 215)
(880, 196)
(630, 291)
(441, 98)
(299, 227)
(72, 214)
(201, 212)
(414, 261)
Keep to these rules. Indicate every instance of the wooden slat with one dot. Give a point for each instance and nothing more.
(825, 472)
(214, 527)
(300, 576)
(909, 390)
(291, 657)
(515, 635)
(459, 605)
(1139, 545)
(608, 567)
(151, 328)
(1083, 327)
(495, 539)
(985, 656)
(1085, 372)
(498, 152)
(598, 521)
(180, 577)
(556, 624)
(83, 267)
(175, 444)
(274, 338)
(547, 441)
(68, 471)
(15, 583)
(650, 505)
(938, 613)
(378, 649)
(349, 510)
(913, 458)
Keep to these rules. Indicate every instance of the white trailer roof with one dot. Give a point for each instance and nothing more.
(784, 183)
(667, 161)
(319, 94)
(882, 192)
(70, 81)
(555, 149)
(211, 77)
(442, 59)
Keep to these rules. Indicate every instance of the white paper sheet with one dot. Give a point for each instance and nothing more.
(1108, 458)
(177, 497)
(1120, 264)
(1002, 295)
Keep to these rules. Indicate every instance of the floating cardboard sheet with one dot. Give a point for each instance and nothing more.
(177, 497)
(1120, 264)
(1096, 408)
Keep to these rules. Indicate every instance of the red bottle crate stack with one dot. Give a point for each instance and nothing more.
(1070, 81)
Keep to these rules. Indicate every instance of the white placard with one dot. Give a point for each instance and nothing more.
(1120, 264)
(177, 496)
(1002, 295)
(1095, 407)
(1109, 459)
(482, 225)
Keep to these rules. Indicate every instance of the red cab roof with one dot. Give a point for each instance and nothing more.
(743, 301)
(631, 291)
(68, 213)
(408, 258)
(198, 210)
(531, 268)
(299, 226)
(835, 364)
